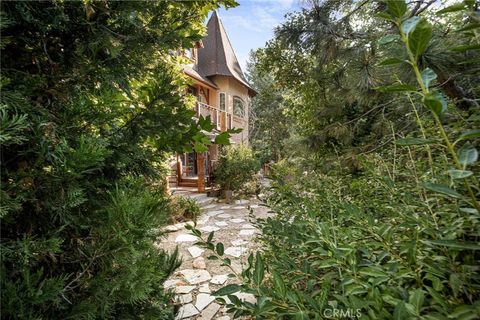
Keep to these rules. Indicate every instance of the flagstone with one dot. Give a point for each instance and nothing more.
(209, 312)
(203, 300)
(247, 232)
(187, 310)
(204, 288)
(209, 228)
(184, 289)
(221, 223)
(239, 242)
(215, 212)
(195, 276)
(195, 251)
(219, 279)
(237, 220)
(224, 216)
(235, 251)
(184, 298)
(186, 238)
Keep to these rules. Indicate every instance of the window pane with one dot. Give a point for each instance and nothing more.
(238, 107)
(222, 101)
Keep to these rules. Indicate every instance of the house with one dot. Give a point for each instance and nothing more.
(222, 93)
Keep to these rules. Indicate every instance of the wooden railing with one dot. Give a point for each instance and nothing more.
(219, 118)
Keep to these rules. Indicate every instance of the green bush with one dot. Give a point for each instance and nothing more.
(184, 208)
(236, 168)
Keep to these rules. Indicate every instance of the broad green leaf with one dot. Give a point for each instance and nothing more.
(205, 123)
(279, 284)
(414, 141)
(470, 134)
(396, 8)
(200, 147)
(259, 273)
(435, 102)
(455, 244)
(210, 236)
(388, 39)
(370, 271)
(228, 289)
(390, 61)
(467, 155)
(459, 174)
(466, 47)
(223, 138)
(212, 257)
(410, 24)
(428, 76)
(443, 189)
(397, 88)
(419, 37)
(417, 297)
(220, 249)
(453, 8)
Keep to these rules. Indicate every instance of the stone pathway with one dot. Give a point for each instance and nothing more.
(198, 276)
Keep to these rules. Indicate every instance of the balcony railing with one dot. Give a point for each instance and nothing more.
(222, 120)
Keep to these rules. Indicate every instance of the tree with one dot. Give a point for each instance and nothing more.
(92, 102)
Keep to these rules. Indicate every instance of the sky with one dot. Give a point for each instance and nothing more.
(251, 24)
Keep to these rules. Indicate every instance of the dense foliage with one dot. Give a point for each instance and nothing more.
(236, 167)
(92, 101)
(376, 203)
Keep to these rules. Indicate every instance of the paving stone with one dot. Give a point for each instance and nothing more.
(255, 206)
(171, 283)
(170, 228)
(247, 232)
(237, 220)
(204, 288)
(203, 220)
(199, 263)
(247, 226)
(225, 207)
(221, 223)
(214, 213)
(238, 207)
(184, 289)
(195, 276)
(184, 298)
(223, 318)
(235, 251)
(219, 279)
(209, 312)
(210, 206)
(187, 310)
(240, 242)
(195, 251)
(209, 228)
(224, 216)
(242, 201)
(203, 300)
(186, 238)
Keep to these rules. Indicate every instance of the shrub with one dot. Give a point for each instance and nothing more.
(236, 168)
(184, 208)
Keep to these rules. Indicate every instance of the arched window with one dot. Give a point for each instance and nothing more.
(238, 107)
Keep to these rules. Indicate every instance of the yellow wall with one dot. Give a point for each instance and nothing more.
(231, 87)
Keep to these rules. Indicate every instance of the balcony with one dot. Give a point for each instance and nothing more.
(222, 120)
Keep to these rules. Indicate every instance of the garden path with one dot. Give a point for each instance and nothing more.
(198, 277)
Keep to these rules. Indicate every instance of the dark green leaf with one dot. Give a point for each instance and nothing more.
(220, 249)
(470, 26)
(470, 134)
(223, 138)
(413, 141)
(396, 8)
(459, 174)
(396, 88)
(210, 236)
(464, 48)
(419, 37)
(428, 76)
(205, 123)
(387, 39)
(443, 189)
(212, 257)
(452, 8)
(200, 147)
(228, 289)
(455, 244)
(390, 61)
(259, 273)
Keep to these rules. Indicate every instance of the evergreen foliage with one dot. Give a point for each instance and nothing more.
(92, 101)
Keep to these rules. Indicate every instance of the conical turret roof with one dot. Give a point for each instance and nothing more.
(217, 56)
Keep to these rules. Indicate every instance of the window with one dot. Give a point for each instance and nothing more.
(222, 101)
(238, 107)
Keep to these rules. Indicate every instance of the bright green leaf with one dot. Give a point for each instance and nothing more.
(200, 147)
(435, 102)
(396, 8)
(419, 37)
(390, 61)
(467, 155)
(223, 138)
(259, 273)
(228, 289)
(455, 244)
(410, 24)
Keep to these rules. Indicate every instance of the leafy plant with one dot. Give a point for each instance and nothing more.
(235, 168)
(184, 208)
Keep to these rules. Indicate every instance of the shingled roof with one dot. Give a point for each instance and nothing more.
(217, 56)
